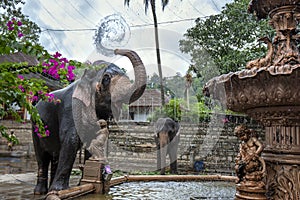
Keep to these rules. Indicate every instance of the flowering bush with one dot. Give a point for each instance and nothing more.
(59, 67)
(19, 34)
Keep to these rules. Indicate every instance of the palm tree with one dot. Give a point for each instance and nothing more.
(153, 8)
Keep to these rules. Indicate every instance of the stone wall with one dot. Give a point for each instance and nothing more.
(131, 145)
(213, 144)
(23, 133)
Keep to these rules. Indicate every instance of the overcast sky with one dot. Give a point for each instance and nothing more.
(69, 27)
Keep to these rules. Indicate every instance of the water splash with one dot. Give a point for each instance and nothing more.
(113, 32)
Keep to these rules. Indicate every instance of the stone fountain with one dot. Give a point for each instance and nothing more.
(268, 91)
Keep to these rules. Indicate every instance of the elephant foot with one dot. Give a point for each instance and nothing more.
(57, 187)
(41, 187)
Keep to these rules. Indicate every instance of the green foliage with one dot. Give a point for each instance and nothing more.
(10, 138)
(173, 109)
(198, 112)
(225, 42)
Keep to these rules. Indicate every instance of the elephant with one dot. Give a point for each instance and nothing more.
(98, 94)
(167, 138)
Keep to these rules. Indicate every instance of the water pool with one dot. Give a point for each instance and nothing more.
(169, 190)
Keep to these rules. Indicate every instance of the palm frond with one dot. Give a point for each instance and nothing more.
(146, 2)
(164, 3)
(126, 2)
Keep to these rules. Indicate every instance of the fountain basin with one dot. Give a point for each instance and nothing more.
(169, 187)
(262, 8)
(246, 90)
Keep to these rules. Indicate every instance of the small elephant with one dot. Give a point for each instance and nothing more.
(167, 138)
(73, 122)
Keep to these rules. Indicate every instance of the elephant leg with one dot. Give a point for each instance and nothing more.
(158, 157)
(54, 164)
(43, 160)
(172, 151)
(66, 160)
(163, 140)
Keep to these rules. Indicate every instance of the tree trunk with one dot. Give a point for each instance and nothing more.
(158, 53)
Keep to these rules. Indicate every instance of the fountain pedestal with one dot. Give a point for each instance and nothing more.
(268, 90)
(244, 193)
(94, 172)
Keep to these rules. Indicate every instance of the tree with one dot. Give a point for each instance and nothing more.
(19, 34)
(153, 8)
(225, 42)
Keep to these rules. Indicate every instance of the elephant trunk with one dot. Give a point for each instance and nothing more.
(135, 90)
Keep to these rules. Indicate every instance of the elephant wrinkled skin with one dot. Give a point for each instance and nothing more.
(167, 139)
(73, 122)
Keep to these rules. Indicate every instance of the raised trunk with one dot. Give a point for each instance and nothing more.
(135, 90)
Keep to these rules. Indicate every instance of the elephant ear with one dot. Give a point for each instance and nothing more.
(85, 87)
(83, 107)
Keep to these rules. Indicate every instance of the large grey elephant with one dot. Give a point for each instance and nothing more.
(167, 138)
(73, 122)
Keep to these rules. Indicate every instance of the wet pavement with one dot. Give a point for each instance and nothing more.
(18, 177)
(21, 186)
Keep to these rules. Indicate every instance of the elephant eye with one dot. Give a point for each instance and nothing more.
(106, 80)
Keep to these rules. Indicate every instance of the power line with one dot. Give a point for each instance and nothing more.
(53, 41)
(81, 13)
(70, 15)
(93, 8)
(133, 26)
(69, 30)
(59, 50)
(52, 16)
(195, 8)
(215, 5)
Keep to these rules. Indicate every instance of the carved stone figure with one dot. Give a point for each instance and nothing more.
(250, 167)
(262, 62)
(97, 146)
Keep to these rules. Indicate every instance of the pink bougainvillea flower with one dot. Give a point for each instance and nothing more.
(21, 88)
(10, 28)
(50, 97)
(20, 34)
(70, 76)
(46, 64)
(55, 63)
(9, 23)
(21, 77)
(40, 92)
(63, 60)
(19, 23)
(57, 55)
(34, 99)
(47, 133)
(36, 129)
(62, 66)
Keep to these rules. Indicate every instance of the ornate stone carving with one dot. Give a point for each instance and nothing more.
(283, 182)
